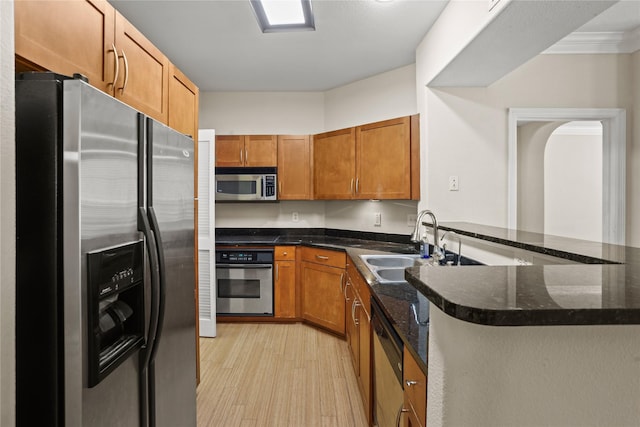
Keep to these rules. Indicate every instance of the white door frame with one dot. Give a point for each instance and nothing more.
(206, 234)
(614, 145)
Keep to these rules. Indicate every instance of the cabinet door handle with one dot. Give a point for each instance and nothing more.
(357, 185)
(126, 73)
(348, 283)
(341, 282)
(401, 411)
(241, 156)
(410, 383)
(351, 187)
(116, 67)
(322, 257)
(355, 304)
(280, 191)
(246, 156)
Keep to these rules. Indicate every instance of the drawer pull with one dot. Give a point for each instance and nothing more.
(322, 257)
(411, 383)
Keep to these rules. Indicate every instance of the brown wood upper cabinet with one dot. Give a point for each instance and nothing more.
(247, 150)
(294, 167)
(383, 160)
(334, 163)
(183, 103)
(373, 161)
(143, 80)
(91, 38)
(67, 38)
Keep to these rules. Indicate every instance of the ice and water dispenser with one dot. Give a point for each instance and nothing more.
(115, 307)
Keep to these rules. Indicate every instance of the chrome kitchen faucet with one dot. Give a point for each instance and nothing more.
(436, 253)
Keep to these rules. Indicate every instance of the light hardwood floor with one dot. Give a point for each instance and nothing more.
(277, 375)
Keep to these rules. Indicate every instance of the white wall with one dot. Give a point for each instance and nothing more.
(271, 215)
(359, 215)
(7, 217)
(258, 113)
(573, 184)
(633, 156)
(464, 130)
(381, 97)
(531, 375)
(384, 96)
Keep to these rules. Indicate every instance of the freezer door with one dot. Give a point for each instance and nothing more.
(170, 200)
(100, 178)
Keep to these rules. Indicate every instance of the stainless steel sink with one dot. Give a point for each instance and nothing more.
(400, 261)
(390, 268)
(391, 274)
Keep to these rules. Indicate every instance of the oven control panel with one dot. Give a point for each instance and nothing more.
(240, 256)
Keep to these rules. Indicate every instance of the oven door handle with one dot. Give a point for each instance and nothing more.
(245, 266)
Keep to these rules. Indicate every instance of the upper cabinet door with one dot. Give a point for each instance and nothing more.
(183, 103)
(294, 174)
(67, 37)
(229, 150)
(261, 150)
(143, 82)
(334, 158)
(383, 152)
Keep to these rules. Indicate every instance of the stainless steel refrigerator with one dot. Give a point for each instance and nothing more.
(105, 321)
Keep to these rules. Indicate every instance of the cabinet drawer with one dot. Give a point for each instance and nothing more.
(284, 253)
(324, 257)
(415, 386)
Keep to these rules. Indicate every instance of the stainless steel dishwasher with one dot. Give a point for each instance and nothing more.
(388, 396)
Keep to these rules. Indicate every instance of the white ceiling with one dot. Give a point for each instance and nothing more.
(218, 44)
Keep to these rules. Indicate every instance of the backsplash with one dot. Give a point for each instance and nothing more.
(358, 215)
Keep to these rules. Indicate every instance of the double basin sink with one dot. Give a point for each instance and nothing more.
(390, 268)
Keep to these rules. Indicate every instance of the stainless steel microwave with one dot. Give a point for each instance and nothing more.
(246, 184)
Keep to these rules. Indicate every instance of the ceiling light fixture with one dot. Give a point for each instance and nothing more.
(283, 15)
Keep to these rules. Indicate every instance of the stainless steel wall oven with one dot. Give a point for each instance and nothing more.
(244, 279)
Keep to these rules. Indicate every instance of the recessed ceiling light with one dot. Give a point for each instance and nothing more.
(283, 15)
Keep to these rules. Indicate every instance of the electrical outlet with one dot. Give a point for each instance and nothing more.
(453, 183)
(377, 219)
(295, 217)
(411, 220)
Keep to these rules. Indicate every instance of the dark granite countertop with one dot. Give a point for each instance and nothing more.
(596, 293)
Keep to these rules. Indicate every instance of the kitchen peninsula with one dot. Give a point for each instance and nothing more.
(534, 345)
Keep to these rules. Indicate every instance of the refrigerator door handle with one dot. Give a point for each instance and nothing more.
(162, 288)
(162, 282)
(145, 353)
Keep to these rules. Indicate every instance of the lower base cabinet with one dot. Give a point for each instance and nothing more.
(284, 282)
(358, 314)
(415, 392)
(322, 278)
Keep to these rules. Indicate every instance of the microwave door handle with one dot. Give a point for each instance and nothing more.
(262, 189)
